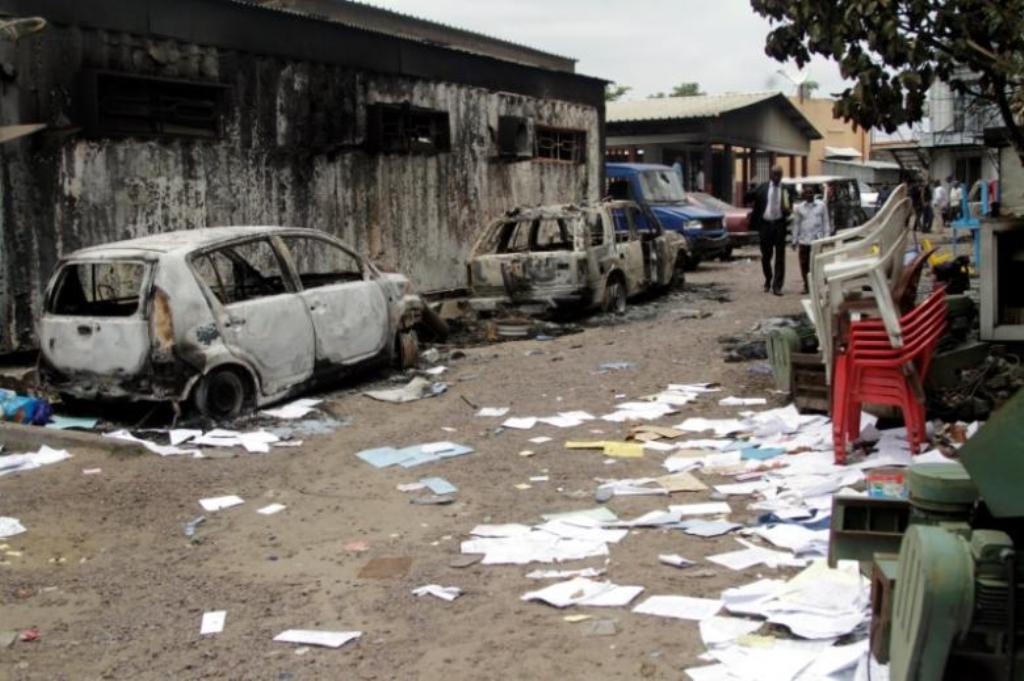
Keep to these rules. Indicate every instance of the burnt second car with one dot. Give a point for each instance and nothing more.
(231, 317)
(569, 256)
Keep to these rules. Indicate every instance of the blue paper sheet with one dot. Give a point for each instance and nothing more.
(439, 486)
(760, 453)
(383, 457)
(59, 422)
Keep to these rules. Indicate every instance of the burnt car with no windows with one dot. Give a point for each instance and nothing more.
(573, 256)
(230, 317)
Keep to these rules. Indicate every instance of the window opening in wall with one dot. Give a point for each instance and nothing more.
(556, 144)
(122, 104)
(404, 129)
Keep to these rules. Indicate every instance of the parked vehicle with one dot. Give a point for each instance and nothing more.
(737, 220)
(569, 256)
(231, 317)
(840, 193)
(657, 188)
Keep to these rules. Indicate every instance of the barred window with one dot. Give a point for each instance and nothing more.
(557, 144)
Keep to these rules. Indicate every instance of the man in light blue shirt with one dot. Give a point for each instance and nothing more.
(810, 222)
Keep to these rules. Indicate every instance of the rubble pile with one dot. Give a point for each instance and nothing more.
(753, 343)
(981, 391)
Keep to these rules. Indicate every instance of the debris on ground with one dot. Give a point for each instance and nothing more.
(293, 410)
(15, 463)
(310, 637)
(445, 593)
(416, 389)
(10, 527)
(212, 622)
(24, 409)
(384, 457)
(752, 344)
(62, 422)
(220, 503)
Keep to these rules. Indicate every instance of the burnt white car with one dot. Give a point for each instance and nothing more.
(571, 256)
(230, 317)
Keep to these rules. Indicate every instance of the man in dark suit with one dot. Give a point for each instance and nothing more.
(772, 207)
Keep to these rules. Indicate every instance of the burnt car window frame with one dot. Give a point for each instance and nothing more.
(145, 286)
(366, 272)
(287, 274)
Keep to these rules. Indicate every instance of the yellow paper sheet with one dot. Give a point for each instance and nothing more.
(681, 482)
(624, 450)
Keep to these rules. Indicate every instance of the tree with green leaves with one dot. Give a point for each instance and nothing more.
(894, 50)
(613, 92)
(681, 90)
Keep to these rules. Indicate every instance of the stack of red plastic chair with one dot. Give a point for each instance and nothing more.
(870, 370)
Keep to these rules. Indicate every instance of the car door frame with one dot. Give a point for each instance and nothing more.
(629, 253)
(370, 276)
(227, 325)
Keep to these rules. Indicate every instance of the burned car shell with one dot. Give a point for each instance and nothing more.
(515, 261)
(181, 329)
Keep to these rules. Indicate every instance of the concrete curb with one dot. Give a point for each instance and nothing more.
(16, 437)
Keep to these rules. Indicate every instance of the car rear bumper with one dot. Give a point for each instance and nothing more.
(170, 382)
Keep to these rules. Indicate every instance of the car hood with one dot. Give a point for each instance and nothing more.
(682, 213)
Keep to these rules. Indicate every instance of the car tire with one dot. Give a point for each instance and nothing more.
(407, 349)
(727, 256)
(615, 296)
(691, 263)
(221, 394)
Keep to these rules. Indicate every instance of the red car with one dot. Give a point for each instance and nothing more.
(737, 220)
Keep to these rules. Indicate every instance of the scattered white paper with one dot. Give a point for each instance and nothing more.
(492, 411)
(212, 622)
(675, 560)
(718, 630)
(13, 463)
(565, 574)
(10, 527)
(293, 410)
(182, 435)
(311, 637)
(679, 607)
(706, 508)
(583, 591)
(520, 423)
(445, 593)
(271, 509)
(220, 503)
(540, 440)
(742, 401)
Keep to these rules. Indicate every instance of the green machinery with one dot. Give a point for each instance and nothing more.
(947, 583)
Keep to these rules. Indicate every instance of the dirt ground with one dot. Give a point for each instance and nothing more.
(117, 590)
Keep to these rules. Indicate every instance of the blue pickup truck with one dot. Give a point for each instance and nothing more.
(658, 188)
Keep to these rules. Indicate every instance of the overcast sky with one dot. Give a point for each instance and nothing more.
(649, 45)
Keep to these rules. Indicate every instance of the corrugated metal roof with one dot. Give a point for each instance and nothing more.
(673, 108)
(408, 30)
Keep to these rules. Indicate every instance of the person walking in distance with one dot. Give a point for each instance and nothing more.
(770, 215)
(810, 222)
(940, 203)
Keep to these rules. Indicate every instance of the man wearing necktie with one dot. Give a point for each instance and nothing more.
(772, 207)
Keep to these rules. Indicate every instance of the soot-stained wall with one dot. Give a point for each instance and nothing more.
(291, 152)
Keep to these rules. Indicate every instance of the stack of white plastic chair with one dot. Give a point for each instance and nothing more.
(868, 259)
